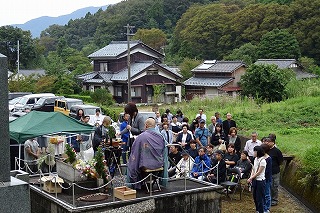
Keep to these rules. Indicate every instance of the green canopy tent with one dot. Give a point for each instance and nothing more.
(38, 123)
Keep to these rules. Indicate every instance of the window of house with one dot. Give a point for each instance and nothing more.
(118, 91)
(103, 66)
(136, 91)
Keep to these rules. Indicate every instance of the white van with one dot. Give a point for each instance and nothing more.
(28, 101)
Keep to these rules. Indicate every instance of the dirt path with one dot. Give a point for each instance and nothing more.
(287, 204)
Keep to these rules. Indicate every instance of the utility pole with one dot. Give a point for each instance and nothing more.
(18, 57)
(129, 28)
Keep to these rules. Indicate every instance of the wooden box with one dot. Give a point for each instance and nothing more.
(51, 184)
(124, 193)
(67, 172)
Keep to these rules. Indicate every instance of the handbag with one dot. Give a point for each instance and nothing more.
(222, 146)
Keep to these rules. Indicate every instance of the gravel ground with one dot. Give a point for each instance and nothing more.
(287, 204)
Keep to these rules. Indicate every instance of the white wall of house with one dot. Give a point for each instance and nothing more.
(111, 89)
(211, 92)
(179, 92)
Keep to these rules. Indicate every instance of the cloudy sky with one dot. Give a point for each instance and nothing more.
(21, 11)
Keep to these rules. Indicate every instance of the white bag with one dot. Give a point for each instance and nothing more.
(88, 154)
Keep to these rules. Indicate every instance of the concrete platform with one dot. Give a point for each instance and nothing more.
(198, 196)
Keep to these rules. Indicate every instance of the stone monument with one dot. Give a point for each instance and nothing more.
(14, 193)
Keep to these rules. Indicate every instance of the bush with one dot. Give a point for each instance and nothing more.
(85, 98)
(112, 112)
(102, 96)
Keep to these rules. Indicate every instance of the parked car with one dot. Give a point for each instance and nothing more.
(64, 105)
(28, 101)
(13, 102)
(91, 111)
(16, 115)
(87, 109)
(13, 95)
(46, 104)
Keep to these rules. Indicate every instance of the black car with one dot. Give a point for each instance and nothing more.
(46, 104)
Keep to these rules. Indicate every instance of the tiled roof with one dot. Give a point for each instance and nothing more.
(207, 82)
(304, 75)
(281, 63)
(285, 64)
(96, 77)
(214, 66)
(29, 72)
(174, 70)
(135, 68)
(114, 49)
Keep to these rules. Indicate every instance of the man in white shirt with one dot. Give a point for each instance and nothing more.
(202, 115)
(250, 144)
(97, 119)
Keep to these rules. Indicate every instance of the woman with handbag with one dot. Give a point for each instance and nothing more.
(257, 178)
(217, 138)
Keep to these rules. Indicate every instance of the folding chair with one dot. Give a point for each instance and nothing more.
(233, 183)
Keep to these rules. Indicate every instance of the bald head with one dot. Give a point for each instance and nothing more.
(150, 123)
(106, 121)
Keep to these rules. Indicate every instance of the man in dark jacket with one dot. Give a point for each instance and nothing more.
(277, 159)
(227, 124)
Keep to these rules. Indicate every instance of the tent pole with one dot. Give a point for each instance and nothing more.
(19, 156)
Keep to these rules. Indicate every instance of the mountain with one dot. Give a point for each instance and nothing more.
(37, 25)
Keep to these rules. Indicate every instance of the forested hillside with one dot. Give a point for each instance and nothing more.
(188, 31)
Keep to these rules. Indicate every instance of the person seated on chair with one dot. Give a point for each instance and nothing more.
(231, 158)
(244, 164)
(148, 152)
(201, 165)
(184, 166)
(193, 152)
(218, 173)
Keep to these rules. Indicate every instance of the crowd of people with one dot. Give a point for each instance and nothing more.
(205, 151)
(179, 147)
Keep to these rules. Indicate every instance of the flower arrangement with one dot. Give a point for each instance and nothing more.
(96, 168)
(71, 154)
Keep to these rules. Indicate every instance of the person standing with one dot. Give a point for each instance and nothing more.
(124, 137)
(217, 115)
(257, 178)
(202, 134)
(227, 124)
(268, 174)
(201, 115)
(250, 144)
(97, 118)
(31, 154)
(212, 125)
(135, 124)
(277, 159)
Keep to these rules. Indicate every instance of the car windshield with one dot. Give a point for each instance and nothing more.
(90, 111)
(23, 101)
(70, 104)
(40, 101)
(14, 101)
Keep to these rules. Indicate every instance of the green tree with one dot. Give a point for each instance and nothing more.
(55, 65)
(186, 66)
(279, 44)
(158, 90)
(310, 65)
(246, 53)
(265, 82)
(155, 38)
(9, 37)
(102, 96)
